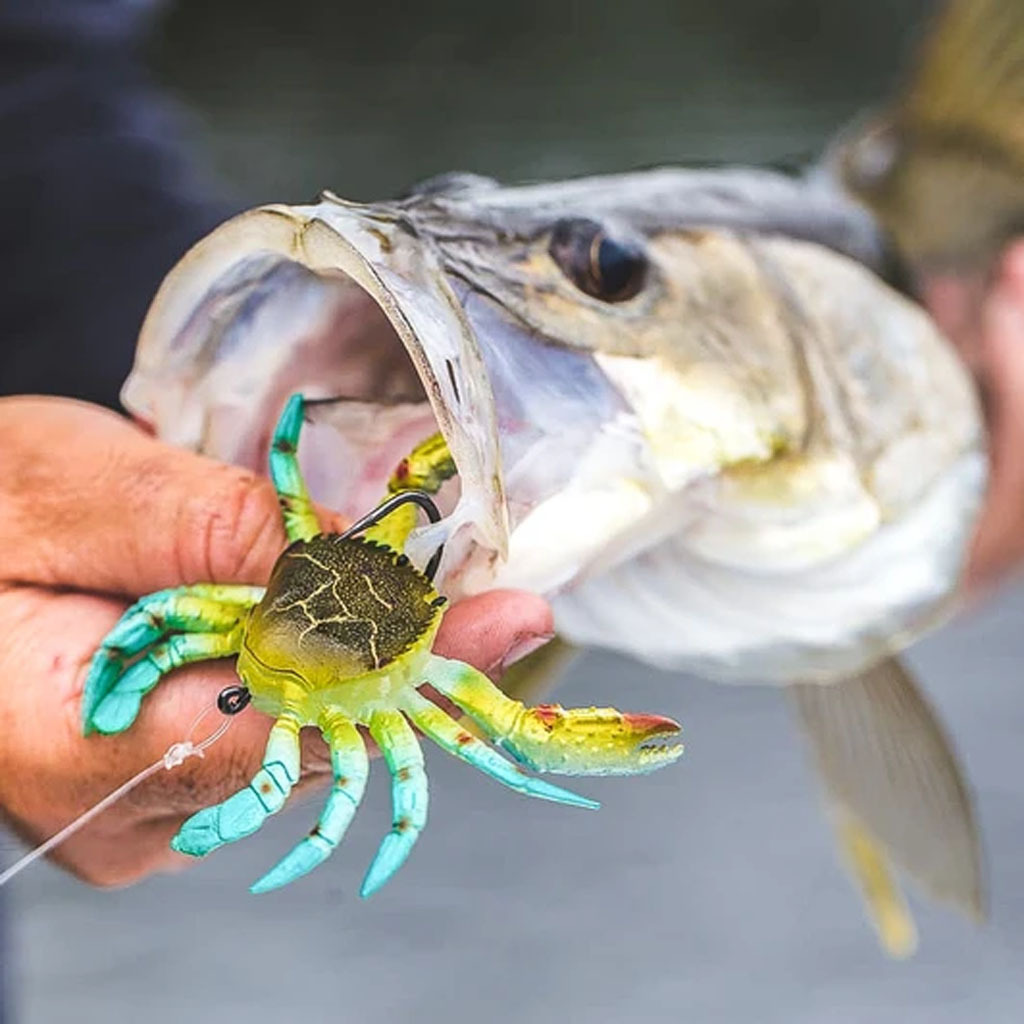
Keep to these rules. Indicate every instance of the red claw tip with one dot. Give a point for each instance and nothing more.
(651, 725)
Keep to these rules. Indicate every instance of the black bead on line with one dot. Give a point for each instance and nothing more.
(233, 699)
(385, 508)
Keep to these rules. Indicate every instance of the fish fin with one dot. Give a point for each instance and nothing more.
(531, 677)
(943, 169)
(886, 905)
(892, 779)
(970, 75)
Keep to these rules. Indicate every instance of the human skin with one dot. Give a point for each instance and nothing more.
(93, 513)
(985, 319)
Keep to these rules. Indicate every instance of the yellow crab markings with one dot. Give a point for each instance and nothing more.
(373, 593)
(345, 616)
(303, 602)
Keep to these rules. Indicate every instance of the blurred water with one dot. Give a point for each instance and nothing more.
(708, 892)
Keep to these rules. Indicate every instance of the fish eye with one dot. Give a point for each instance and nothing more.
(599, 265)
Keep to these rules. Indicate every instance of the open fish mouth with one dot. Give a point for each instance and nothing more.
(340, 302)
(351, 304)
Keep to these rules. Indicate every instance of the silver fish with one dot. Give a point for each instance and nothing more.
(684, 405)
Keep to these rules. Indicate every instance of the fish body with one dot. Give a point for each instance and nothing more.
(722, 448)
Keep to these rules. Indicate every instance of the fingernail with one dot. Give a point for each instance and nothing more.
(521, 646)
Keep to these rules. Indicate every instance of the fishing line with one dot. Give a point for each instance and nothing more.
(229, 703)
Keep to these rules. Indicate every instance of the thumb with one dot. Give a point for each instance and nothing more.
(91, 502)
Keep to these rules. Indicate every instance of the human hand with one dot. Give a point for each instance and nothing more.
(94, 513)
(986, 322)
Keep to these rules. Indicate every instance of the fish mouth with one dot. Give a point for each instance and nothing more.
(345, 304)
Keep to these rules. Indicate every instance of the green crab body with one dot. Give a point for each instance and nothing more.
(343, 620)
(342, 637)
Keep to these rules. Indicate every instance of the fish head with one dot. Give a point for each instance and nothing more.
(670, 385)
(333, 300)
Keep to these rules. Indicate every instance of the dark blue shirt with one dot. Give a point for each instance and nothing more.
(98, 198)
(98, 195)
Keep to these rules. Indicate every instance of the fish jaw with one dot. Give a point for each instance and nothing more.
(255, 311)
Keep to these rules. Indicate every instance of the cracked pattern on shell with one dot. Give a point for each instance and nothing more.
(342, 597)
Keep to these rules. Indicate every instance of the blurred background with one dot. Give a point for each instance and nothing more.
(706, 893)
(291, 97)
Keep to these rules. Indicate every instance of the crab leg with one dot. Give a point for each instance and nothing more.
(398, 744)
(120, 706)
(300, 521)
(350, 766)
(450, 736)
(570, 741)
(425, 468)
(204, 609)
(242, 814)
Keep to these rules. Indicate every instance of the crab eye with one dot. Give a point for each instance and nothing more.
(599, 265)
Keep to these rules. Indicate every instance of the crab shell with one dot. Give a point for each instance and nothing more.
(338, 613)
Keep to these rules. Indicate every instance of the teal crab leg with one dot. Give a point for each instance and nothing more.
(401, 750)
(451, 736)
(569, 741)
(120, 707)
(351, 766)
(242, 814)
(210, 614)
(300, 520)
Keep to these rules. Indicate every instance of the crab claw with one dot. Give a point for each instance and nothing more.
(597, 741)
(550, 738)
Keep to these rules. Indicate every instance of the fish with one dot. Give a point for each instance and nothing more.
(695, 408)
(942, 167)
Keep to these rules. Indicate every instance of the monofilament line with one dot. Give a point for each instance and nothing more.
(176, 754)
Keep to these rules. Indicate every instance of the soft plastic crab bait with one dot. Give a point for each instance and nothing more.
(341, 636)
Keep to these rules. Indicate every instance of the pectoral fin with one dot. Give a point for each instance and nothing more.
(892, 780)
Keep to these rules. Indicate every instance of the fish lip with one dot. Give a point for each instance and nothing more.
(374, 247)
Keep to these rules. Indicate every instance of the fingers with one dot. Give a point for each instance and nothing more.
(493, 630)
(93, 503)
(999, 540)
(89, 502)
(984, 317)
(955, 303)
(50, 773)
(1013, 268)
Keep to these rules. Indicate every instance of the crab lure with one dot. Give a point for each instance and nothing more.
(340, 637)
